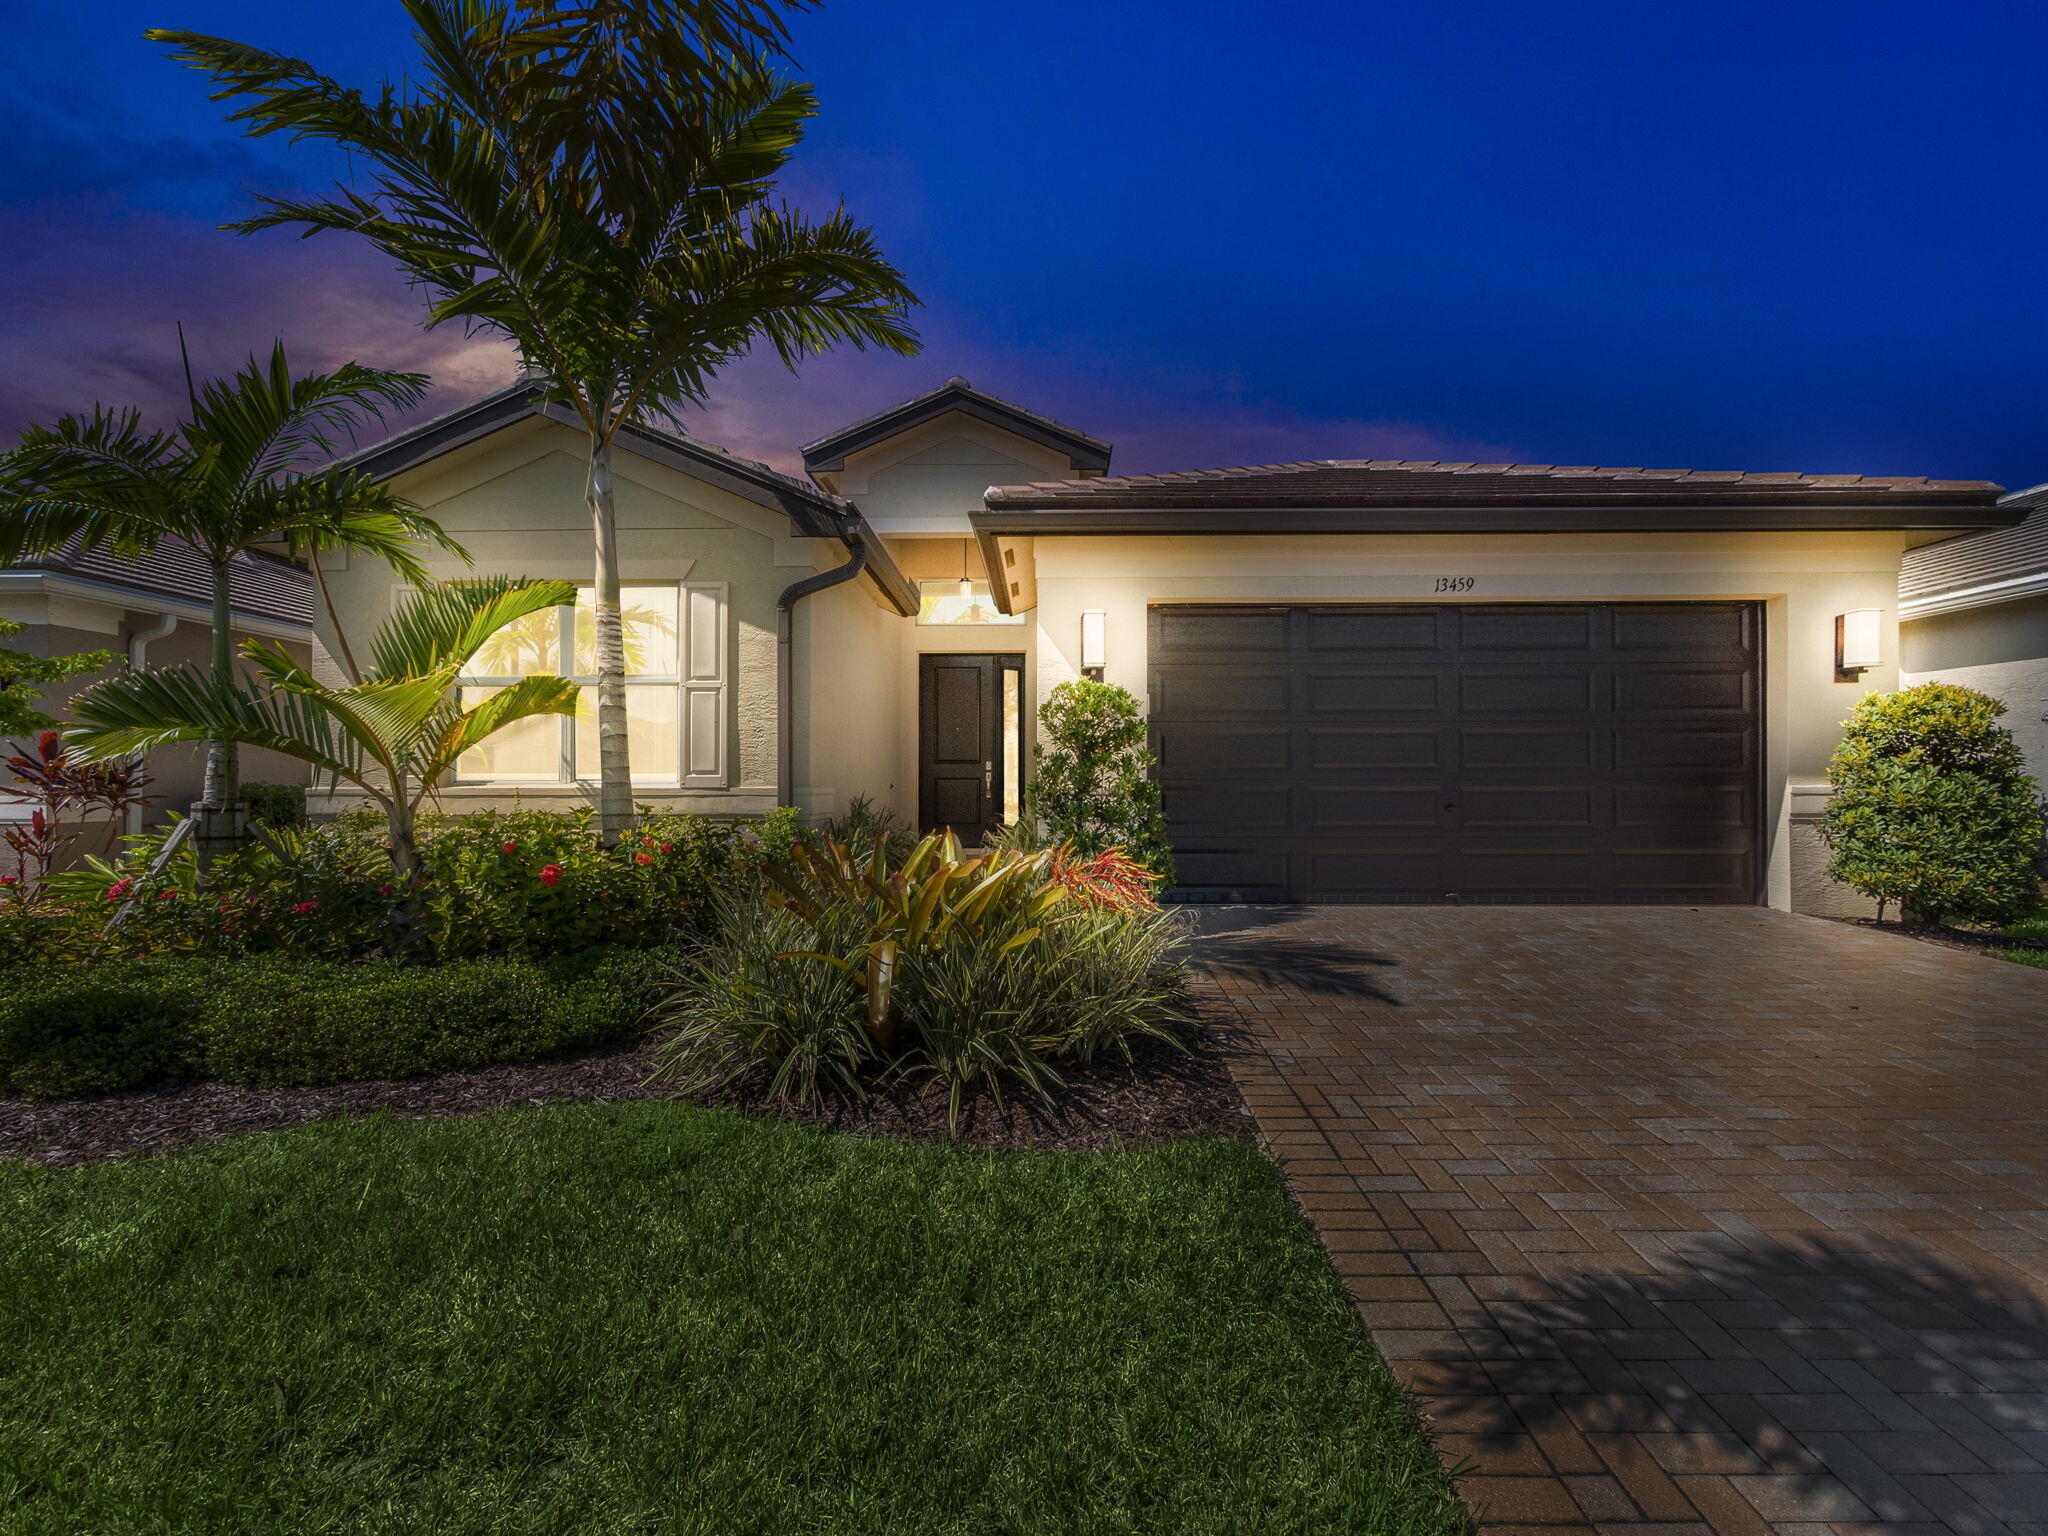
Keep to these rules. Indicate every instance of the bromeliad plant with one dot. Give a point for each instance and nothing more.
(393, 736)
(842, 972)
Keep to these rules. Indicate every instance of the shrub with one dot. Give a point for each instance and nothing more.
(1092, 786)
(284, 1022)
(934, 967)
(276, 805)
(97, 1030)
(1932, 809)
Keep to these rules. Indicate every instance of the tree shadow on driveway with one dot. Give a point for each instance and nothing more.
(1242, 943)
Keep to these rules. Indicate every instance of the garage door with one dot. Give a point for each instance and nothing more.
(1529, 753)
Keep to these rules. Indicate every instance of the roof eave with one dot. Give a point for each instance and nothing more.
(828, 454)
(1000, 517)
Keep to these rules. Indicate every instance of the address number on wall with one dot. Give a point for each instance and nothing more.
(1456, 583)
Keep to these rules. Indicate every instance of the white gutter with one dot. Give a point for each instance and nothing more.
(1982, 596)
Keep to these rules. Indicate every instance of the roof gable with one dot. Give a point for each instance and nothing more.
(828, 454)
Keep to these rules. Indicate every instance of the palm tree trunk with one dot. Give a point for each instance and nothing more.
(403, 937)
(220, 783)
(615, 777)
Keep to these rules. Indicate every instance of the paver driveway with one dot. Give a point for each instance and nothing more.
(1712, 1219)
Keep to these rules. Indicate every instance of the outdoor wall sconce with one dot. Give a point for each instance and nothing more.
(1856, 642)
(1094, 633)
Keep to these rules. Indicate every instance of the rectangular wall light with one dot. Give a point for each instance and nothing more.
(1856, 642)
(1094, 642)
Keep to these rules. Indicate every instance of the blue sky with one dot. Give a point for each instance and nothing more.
(1753, 236)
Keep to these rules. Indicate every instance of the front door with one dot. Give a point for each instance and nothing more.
(969, 743)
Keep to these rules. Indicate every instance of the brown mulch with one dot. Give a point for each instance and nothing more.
(1969, 940)
(1161, 1095)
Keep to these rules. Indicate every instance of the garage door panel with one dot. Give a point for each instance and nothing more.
(1375, 808)
(1375, 693)
(1211, 751)
(1208, 692)
(1388, 747)
(1495, 753)
(1525, 747)
(1499, 691)
(1665, 691)
(1374, 632)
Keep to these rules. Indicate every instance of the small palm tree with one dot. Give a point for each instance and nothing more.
(394, 735)
(591, 181)
(247, 466)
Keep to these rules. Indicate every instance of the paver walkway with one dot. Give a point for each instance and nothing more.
(1690, 1220)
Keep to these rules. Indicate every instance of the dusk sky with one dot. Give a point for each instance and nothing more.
(1757, 236)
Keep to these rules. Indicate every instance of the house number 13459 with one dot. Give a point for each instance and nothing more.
(1456, 583)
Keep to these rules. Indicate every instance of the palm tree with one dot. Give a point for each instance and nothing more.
(591, 181)
(393, 735)
(246, 467)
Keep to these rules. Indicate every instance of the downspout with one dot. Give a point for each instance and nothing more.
(852, 531)
(138, 652)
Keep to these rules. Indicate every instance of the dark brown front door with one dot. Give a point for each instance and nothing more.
(961, 762)
(1543, 752)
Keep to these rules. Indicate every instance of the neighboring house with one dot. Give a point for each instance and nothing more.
(1367, 681)
(1974, 611)
(155, 612)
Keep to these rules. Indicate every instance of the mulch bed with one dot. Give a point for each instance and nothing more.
(1161, 1095)
(1948, 938)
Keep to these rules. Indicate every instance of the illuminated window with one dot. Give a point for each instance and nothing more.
(953, 600)
(675, 691)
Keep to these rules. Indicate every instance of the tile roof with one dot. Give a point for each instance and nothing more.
(261, 585)
(956, 394)
(1408, 482)
(1999, 560)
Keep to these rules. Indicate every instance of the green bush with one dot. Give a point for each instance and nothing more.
(99, 1029)
(1092, 785)
(932, 967)
(1932, 808)
(282, 1023)
(276, 805)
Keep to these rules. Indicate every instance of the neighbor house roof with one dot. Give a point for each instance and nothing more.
(1400, 495)
(829, 452)
(1994, 567)
(261, 586)
(812, 513)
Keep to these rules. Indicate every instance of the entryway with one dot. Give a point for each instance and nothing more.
(970, 742)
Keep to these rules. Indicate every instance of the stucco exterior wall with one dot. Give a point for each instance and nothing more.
(927, 480)
(2001, 650)
(515, 499)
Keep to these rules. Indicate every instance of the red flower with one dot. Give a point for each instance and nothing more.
(508, 849)
(552, 875)
(167, 896)
(668, 847)
(387, 890)
(304, 907)
(10, 879)
(119, 889)
(643, 858)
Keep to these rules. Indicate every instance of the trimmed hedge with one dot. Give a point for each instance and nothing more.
(281, 1021)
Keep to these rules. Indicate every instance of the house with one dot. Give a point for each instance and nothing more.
(1974, 610)
(155, 611)
(1366, 680)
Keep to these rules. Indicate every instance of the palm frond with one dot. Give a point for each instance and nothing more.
(98, 481)
(446, 624)
(264, 421)
(523, 700)
(139, 711)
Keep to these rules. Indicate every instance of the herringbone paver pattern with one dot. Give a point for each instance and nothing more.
(1677, 1220)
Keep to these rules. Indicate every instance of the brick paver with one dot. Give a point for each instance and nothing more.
(1689, 1220)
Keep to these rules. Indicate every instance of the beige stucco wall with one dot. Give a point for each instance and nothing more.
(515, 499)
(928, 479)
(2001, 650)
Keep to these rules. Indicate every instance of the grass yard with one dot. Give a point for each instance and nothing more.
(2031, 928)
(644, 1317)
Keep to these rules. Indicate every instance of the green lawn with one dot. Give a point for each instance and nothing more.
(2031, 928)
(651, 1318)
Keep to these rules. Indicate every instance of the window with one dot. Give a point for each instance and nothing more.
(956, 600)
(675, 691)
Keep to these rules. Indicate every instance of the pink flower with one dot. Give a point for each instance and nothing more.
(10, 879)
(120, 888)
(166, 895)
(508, 849)
(304, 907)
(552, 875)
(643, 858)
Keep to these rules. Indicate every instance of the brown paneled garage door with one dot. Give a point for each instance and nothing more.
(1535, 752)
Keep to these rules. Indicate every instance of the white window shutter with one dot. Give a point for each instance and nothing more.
(704, 685)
